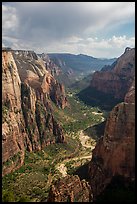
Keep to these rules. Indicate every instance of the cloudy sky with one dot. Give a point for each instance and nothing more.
(100, 29)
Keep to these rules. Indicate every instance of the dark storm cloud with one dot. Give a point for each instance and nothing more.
(54, 21)
(62, 25)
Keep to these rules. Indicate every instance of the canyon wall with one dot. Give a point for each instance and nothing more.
(28, 92)
(70, 189)
(114, 154)
(117, 78)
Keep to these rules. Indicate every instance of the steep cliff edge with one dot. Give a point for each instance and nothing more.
(37, 74)
(70, 189)
(109, 86)
(70, 68)
(27, 115)
(50, 65)
(117, 78)
(114, 154)
(13, 129)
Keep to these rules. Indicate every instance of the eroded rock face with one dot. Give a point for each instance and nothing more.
(50, 65)
(37, 74)
(117, 78)
(114, 154)
(13, 129)
(70, 189)
(130, 96)
(27, 115)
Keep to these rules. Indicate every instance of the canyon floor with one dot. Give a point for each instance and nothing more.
(88, 144)
(33, 180)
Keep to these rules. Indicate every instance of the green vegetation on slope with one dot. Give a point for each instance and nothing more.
(81, 83)
(5, 111)
(81, 62)
(77, 116)
(91, 96)
(32, 181)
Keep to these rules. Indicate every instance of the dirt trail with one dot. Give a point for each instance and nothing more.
(63, 169)
(87, 142)
(84, 139)
(96, 113)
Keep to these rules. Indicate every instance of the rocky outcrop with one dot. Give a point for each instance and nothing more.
(117, 78)
(27, 114)
(130, 96)
(72, 68)
(50, 65)
(70, 189)
(114, 154)
(33, 71)
(13, 129)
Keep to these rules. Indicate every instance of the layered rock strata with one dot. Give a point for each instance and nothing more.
(70, 189)
(117, 78)
(28, 91)
(114, 154)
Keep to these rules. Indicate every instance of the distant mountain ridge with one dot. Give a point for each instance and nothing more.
(79, 62)
(75, 67)
(118, 78)
(69, 68)
(109, 85)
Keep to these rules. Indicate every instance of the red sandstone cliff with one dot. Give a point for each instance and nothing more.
(70, 189)
(116, 79)
(114, 154)
(27, 114)
(50, 65)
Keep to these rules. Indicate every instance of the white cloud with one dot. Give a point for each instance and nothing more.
(104, 48)
(68, 26)
(112, 47)
(9, 19)
(111, 15)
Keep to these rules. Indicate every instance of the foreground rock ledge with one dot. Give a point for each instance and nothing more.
(70, 189)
